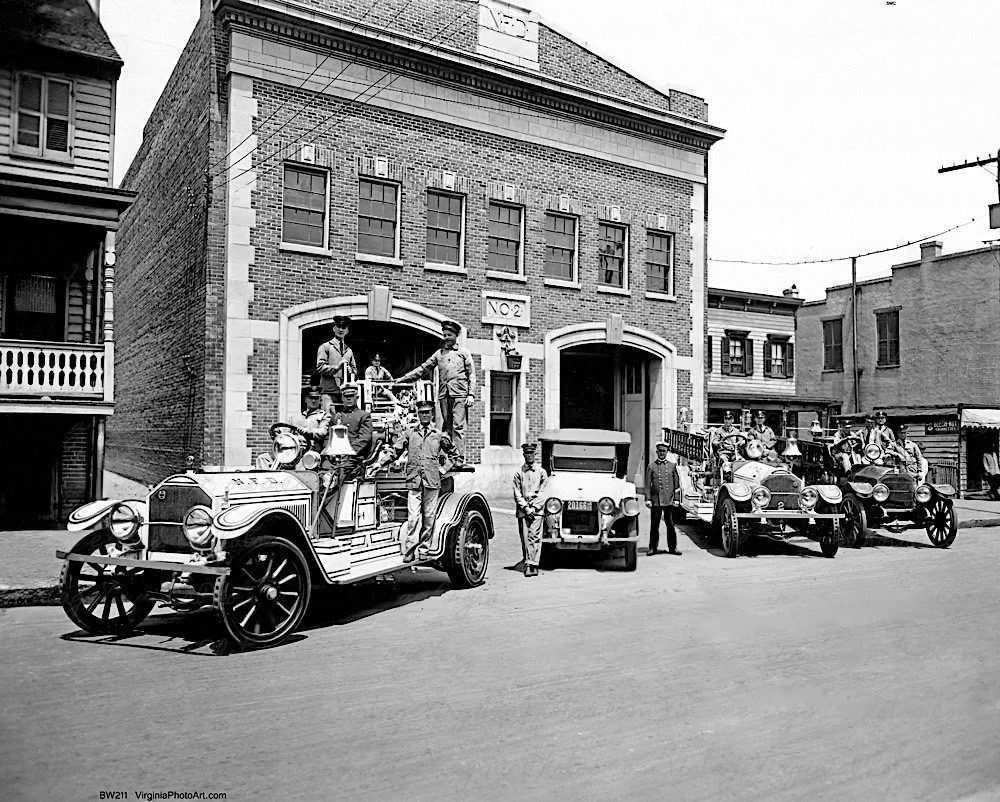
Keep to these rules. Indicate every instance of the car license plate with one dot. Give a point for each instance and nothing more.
(578, 505)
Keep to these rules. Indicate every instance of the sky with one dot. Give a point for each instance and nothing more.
(838, 114)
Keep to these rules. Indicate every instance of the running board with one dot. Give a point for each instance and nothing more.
(386, 565)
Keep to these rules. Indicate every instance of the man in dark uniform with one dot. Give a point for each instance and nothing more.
(314, 420)
(424, 446)
(335, 364)
(662, 495)
(456, 389)
(359, 426)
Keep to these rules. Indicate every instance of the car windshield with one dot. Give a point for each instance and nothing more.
(595, 458)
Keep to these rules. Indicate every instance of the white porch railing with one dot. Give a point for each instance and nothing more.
(56, 369)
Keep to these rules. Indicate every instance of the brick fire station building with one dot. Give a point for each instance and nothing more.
(403, 163)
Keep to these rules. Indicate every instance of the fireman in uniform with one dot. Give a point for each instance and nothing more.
(335, 364)
(528, 482)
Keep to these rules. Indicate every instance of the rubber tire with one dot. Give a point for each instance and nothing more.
(224, 587)
(461, 574)
(854, 536)
(727, 513)
(829, 542)
(631, 556)
(951, 531)
(75, 608)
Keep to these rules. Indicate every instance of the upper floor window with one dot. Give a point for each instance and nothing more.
(779, 358)
(736, 358)
(659, 263)
(560, 247)
(833, 344)
(506, 233)
(887, 330)
(304, 204)
(445, 228)
(42, 116)
(612, 249)
(378, 218)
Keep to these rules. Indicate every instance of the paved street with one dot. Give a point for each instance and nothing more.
(778, 676)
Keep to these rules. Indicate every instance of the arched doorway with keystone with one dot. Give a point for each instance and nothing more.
(625, 384)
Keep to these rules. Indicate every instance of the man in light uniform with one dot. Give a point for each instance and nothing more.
(424, 446)
(730, 450)
(335, 364)
(314, 420)
(909, 453)
(884, 433)
(528, 482)
(662, 489)
(762, 432)
(456, 384)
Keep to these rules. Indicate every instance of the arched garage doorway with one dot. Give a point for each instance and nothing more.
(611, 377)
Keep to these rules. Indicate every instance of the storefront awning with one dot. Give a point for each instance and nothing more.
(981, 418)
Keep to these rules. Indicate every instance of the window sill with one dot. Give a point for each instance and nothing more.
(507, 276)
(831, 370)
(294, 247)
(779, 378)
(736, 375)
(613, 290)
(561, 282)
(442, 267)
(660, 296)
(34, 155)
(375, 259)
(887, 367)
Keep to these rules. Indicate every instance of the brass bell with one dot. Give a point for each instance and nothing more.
(337, 444)
(791, 447)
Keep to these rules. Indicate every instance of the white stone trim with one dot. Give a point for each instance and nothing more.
(698, 303)
(239, 329)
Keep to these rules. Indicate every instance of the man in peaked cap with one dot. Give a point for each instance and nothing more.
(762, 432)
(358, 422)
(456, 383)
(424, 446)
(662, 495)
(528, 482)
(335, 363)
(314, 420)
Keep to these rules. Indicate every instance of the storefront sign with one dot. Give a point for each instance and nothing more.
(507, 33)
(941, 427)
(506, 310)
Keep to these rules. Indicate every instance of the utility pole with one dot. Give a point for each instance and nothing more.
(994, 207)
(854, 332)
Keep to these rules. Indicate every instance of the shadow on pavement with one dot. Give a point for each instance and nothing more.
(753, 546)
(882, 539)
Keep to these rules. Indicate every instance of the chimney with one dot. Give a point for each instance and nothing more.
(929, 250)
(791, 292)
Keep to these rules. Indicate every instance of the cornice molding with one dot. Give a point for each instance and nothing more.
(486, 79)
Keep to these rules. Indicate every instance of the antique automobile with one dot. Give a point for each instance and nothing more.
(254, 543)
(879, 491)
(589, 504)
(742, 492)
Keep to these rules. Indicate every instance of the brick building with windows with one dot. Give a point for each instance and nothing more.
(400, 164)
(751, 362)
(928, 336)
(58, 215)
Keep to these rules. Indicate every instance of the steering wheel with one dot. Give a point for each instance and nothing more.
(282, 428)
(852, 440)
(738, 439)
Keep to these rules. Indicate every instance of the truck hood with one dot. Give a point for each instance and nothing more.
(242, 485)
(582, 486)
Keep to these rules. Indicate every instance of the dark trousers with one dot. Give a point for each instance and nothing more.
(655, 513)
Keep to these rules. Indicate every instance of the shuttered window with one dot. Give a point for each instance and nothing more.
(445, 225)
(378, 218)
(44, 114)
(887, 327)
(736, 358)
(303, 213)
(779, 358)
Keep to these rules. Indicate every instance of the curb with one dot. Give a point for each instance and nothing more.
(977, 523)
(30, 597)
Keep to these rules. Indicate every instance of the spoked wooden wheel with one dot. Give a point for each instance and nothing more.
(829, 541)
(855, 522)
(469, 551)
(104, 599)
(730, 526)
(942, 523)
(266, 593)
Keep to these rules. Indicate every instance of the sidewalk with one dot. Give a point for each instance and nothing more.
(29, 570)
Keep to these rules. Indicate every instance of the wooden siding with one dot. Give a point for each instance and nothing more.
(759, 325)
(92, 133)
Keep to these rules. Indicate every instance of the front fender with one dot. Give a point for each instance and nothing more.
(829, 493)
(238, 521)
(946, 490)
(93, 512)
(738, 491)
(861, 489)
(452, 510)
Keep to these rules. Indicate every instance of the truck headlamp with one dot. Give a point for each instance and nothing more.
(873, 452)
(124, 523)
(630, 506)
(923, 494)
(553, 506)
(606, 506)
(761, 497)
(285, 449)
(754, 449)
(198, 527)
(880, 492)
(808, 498)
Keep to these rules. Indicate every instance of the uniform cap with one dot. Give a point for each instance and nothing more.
(314, 392)
(663, 444)
(451, 325)
(880, 415)
(341, 320)
(529, 447)
(727, 415)
(349, 389)
(761, 413)
(424, 405)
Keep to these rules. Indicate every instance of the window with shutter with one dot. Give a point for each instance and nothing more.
(43, 122)
(768, 358)
(748, 357)
(708, 354)
(790, 360)
(724, 360)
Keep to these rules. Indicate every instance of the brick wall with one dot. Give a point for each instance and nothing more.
(160, 302)
(949, 327)
(74, 464)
